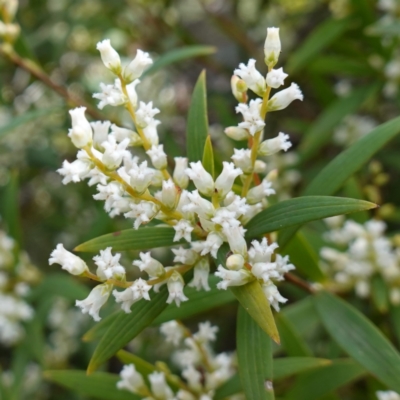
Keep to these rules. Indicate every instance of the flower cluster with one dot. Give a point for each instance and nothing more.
(366, 252)
(202, 370)
(212, 214)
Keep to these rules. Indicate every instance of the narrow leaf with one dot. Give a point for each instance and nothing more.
(379, 292)
(131, 239)
(285, 367)
(300, 210)
(197, 124)
(100, 385)
(359, 338)
(232, 386)
(208, 157)
(254, 352)
(100, 328)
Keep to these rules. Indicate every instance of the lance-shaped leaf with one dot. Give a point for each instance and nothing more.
(359, 338)
(128, 326)
(100, 385)
(197, 124)
(300, 210)
(97, 331)
(335, 174)
(254, 352)
(131, 239)
(208, 157)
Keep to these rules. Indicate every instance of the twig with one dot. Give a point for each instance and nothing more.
(301, 283)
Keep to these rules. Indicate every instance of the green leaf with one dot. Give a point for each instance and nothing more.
(100, 385)
(178, 55)
(254, 352)
(320, 37)
(319, 382)
(128, 326)
(100, 328)
(359, 338)
(303, 256)
(395, 319)
(229, 388)
(197, 124)
(352, 188)
(131, 239)
(300, 210)
(285, 367)
(208, 157)
(321, 130)
(379, 292)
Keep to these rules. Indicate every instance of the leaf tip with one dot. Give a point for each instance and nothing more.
(91, 367)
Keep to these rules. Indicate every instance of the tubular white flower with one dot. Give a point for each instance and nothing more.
(210, 245)
(272, 295)
(145, 114)
(140, 176)
(110, 193)
(254, 80)
(143, 212)
(121, 134)
(197, 204)
(251, 115)
(201, 272)
(232, 278)
(150, 131)
(131, 90)
(100, 132)
(275, 145)
(261, 251)
(265, 271)
(81, 133)
(110, 95)
(258, 193)
(185, 256)
(237, 204)
(170, 194)
(114, 152)
(131, 380)
(236, 240)
(242, 159)
(136, 67)
(158, 156)
(108, 266)
(283, 98)
(236, 133)
(150, 265)
(201, 178)
(173, 332)
(225, 218)
(68, 261)
(272, 47)
(75, 171)
(276, 78)
(96, 299)
(183, 229)
(175, 285)
(139, 290)
(235, 262)
(180, 176)
(225, 180)
(109, 56)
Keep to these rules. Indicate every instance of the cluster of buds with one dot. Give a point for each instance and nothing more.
(202, 370)
(214, 213)
(8, 30)
(362, 252)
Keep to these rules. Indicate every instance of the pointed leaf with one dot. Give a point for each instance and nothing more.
(254, 352)
(359, 338)
(197, 124)
(100, 385)
(131, 239)
(300, 210)
(208, 157)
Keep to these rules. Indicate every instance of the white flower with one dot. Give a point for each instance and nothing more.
(110, 95)
(158, 156)
(170, 194)
(185, 256)
(236, 133)
(232, 278)
(110, 193)
(210, 245)
(236, 240)
(251, 115)
(136, 67)
(283, 98)
(235, 262)
(121, 134)
(109, 56)
(68, 261)
(180, 177)
(173, 332)
(145, 114)
(193, 378)
(206, 333)
(150, 132)
(197, 204)
(225, 218)
(75, 171)
(276, 77)
(201, 178)
(142, 212)
(283, 266)
(242, 159)
(261, 251)
(272, 146)
(225, 180)
(108, 265)
(183, 229)
(81, 133)
(100, 132)
(159, 387)
(272, 295)
(387, 395)
(254, 80)
(131, 90)
(201, 272)
(139, 290)
(96, 299)
(150, 265)
(175, 288)
(265, 271)
(131, 379)
(236, 204)
(258, 193)
(114, 152)
(272, 47)
(140, 176)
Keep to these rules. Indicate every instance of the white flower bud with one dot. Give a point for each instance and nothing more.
(96, 299)
(136, 67)
(81, 133)
(283, 98)
(68, 261)
(236, 133)
(272, 146)
(180, 176)
(157, 156)
(235, 262)
(170, 194)
(276, 77)
(260, 167)
(131, 90)
(175, 285)
(9, 30)
(109, 56)
(131, 380)
(100, 132)
(272, 47)
(239, 88)
(201, 178)
(236, 240)
(225, 180)
(258, 193)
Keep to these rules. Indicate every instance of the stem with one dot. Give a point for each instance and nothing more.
(301, 283)
(114, 282)
(181, 269)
